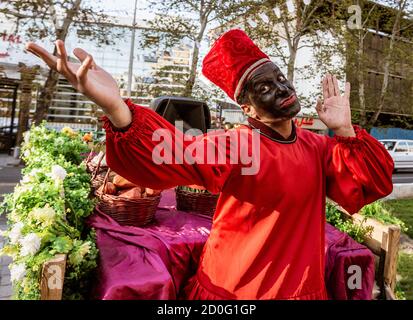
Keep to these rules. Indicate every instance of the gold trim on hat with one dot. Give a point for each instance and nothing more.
(251, 68)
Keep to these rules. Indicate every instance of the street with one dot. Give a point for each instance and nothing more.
(403, 176)
(8, 179)
(10, 174)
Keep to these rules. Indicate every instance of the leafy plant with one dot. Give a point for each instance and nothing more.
(358, 232)
(193, 190)
(404, 286)
(379, 211)
(46, 214)
(402, 209)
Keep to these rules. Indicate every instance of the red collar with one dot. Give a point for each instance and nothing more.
(272, 134)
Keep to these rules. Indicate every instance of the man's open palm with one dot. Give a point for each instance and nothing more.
(335, 112)
(86, 77)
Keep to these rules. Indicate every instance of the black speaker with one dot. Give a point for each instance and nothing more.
(193, 113)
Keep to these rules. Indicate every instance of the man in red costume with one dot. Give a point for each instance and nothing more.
(267, 236)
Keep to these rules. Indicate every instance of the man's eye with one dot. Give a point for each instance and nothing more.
(281, 78)
(265, 88)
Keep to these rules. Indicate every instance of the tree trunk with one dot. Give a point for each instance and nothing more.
(291, 64)
(192, 75)
(27, 75)
(46, 96)
(195, 58)
(360, 79)
(47, 92)
(386, 68)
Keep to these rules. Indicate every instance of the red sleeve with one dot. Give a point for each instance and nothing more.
(136, 153)
(358, 169)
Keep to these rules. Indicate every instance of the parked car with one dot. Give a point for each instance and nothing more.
(401, 152)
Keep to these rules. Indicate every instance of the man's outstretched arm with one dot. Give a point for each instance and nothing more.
(88, 78)
(130, 152)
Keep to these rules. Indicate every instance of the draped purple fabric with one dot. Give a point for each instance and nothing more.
(152, 262)
(346, 260)
(155, 262)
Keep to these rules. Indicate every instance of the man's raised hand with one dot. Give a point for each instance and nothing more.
(87, 78)
(335, 111)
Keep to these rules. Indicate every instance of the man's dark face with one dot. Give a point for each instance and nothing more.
(271, 94)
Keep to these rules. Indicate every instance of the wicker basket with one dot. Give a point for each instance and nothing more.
(203, 203)
(98, 174)
(90, 167)
(128, 212)
(97, 181)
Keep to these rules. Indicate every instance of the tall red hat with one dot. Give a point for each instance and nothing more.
(231, 60)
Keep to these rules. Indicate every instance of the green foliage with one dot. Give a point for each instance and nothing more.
(402, 209)
(383, 212)
(377, 210)
(34, 17)
(399, 293)
(358, 232)
(385, 120)
(404, 289)
(46, 214)
(193, 190)
(42, 144)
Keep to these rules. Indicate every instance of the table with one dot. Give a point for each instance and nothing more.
(156, 261)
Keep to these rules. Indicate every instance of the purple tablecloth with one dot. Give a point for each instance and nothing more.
(349, 267)
(154, 262)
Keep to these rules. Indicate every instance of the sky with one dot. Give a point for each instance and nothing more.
(124, 8)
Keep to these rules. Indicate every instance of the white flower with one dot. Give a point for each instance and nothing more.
(26, 179)
(17, 272)
(84, 249)
(26, 153)
(29, 177)
(19, 190)
(58, 173)
(16, 232)
(26, 137)
(59, 141)
(44, 215)
(77, 256)
(30, 244)
(34, 172)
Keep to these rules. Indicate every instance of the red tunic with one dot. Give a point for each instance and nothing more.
(267, 236)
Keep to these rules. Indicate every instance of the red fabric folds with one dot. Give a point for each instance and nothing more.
(267, 236)
(358, 169)
(130, 153)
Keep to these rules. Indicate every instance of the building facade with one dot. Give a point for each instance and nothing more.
(155, 72)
